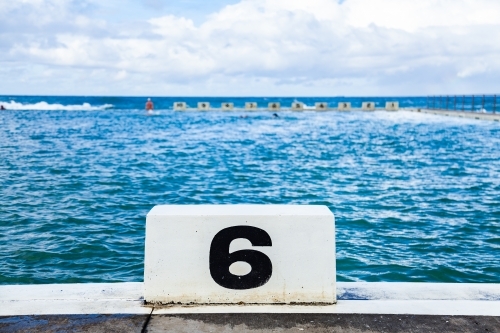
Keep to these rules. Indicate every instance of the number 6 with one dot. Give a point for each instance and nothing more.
(220, 258)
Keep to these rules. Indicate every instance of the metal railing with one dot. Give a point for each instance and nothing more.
(465, 103)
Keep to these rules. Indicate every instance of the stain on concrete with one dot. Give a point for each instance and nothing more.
(319, 323)
(73, 323)
(251, 323)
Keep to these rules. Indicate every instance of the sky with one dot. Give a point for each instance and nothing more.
(249, 47)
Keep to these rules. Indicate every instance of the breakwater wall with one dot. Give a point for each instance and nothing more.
(460, 114)
(448, 106)
(277, 106)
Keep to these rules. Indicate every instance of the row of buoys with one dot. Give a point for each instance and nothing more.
(296, 106)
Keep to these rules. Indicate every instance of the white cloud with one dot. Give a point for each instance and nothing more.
(318, 47)
(413, 15)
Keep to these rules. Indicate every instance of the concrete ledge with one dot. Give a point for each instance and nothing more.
(60, 299)
(353, 297)
(435, 308)
(250, 323)
(317, 323)
(362, 307)
(379, 298)
(460, 114)
(118, 323)
(418, 291)
(77, 291)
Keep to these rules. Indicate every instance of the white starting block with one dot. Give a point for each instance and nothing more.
(368, 106)
(180, 106)
(203, 106)
(227, 106)
(240, 253)
(344, 106)
(392, 106)
(274, 106)
(321, 106)
(297, 106)
(250, 106)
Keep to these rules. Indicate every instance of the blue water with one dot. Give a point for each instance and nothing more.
(416, 196)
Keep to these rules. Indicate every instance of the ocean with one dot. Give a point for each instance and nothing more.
(415, 196)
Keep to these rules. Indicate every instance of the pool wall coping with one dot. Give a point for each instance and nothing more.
(460, 114)
(353, 298)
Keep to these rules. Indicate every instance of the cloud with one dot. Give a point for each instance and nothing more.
(26, 15)
(255, 47)
(414, 15)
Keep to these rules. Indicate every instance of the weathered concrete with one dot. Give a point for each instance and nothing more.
(354, 297)
(183, 240)
(180, 106)
(250, 323)
(320, 323)
(250, 106)
(379, 298)
(274, 106)
(418, 291)
(362, 307)
(321, 106)
(203, 106)
(74, 323)
(450, 113)
(368, 106)
(391, 106)
(344, 106)
(73, 299)
(297, 106)
(397, 307)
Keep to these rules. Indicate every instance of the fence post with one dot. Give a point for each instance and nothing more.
(472, 106)
(463, 103)
(455, 102)
(482, 108)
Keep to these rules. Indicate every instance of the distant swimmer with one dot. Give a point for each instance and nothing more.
(149, 106)
(275, 115)
(2, 107)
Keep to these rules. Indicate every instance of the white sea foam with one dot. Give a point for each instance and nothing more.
(44, 106)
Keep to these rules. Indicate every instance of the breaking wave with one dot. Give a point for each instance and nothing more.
(44, 106)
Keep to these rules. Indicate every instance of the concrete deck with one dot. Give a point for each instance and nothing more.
(352, 323)
(118, 323)
(362, 307)
(250, 323)
(450, 113)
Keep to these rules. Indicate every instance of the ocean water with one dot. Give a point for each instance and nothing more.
(415, 196)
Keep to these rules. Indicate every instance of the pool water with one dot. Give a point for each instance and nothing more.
(415, 196)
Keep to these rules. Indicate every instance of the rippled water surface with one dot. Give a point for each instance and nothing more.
(416, 197)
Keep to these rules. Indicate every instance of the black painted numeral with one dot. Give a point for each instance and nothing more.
(221, 259)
